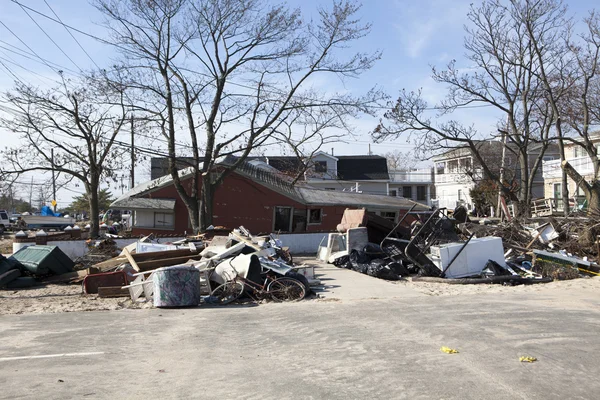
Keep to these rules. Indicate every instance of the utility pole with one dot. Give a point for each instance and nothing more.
(53, 180)
(31, 195)
(502, 165)
(132, 156)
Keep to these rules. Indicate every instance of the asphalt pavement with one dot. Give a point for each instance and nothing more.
(382, 346)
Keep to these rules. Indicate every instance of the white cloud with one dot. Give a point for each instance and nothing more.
(425, 23)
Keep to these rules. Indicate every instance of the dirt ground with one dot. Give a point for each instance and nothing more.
(6, 245)
(444, 289)
(59, 298)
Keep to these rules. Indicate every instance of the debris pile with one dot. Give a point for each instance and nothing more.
(181, 273)
(439, 248)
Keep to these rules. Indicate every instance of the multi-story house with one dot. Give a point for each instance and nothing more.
(415, 184)
(457, 171)
(552, 173)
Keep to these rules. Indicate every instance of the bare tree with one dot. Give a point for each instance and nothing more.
(568, 68)
(399, 160)
(69, 129)
(235, 73)
(501, 76)
(581, 107)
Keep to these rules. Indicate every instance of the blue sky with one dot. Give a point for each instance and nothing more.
(413, 35)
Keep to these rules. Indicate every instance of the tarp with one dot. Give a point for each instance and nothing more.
(46, 211)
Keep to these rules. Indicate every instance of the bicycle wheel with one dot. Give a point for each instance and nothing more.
(228, 292)
(286, 289)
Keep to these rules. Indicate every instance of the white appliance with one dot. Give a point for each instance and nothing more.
(471, 260)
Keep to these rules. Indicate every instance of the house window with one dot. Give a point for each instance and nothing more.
(315, 216)
(453, 166)
(389, 215)
(578, 151)
(164, 220)
(421, 192)
(439, 168)
(393, 193)
(283, 219)
(557, 189)
(407, 192)
(467, 163)
(320, 166)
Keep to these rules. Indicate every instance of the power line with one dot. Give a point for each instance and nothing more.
(11, 61)
(30, 49)
(74, 38)
(25, 54)
(209, 76)
(49, 37)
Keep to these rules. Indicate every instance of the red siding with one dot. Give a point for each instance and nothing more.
(240, 201)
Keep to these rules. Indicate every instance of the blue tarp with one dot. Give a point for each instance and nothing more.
(46, 211)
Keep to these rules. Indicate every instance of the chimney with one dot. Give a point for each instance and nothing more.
(332, 151)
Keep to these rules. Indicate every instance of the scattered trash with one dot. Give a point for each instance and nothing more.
(436, 247)
(527, 359)
(448, 350)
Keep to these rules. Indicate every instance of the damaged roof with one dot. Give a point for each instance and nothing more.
(278, 182)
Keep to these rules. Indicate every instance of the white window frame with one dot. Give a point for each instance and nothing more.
(164, 226)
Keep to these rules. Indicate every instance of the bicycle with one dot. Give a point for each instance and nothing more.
(278, 289)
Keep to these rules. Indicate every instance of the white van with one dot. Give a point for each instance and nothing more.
(4, 221)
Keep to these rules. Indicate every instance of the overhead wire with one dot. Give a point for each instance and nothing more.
(70, 33)
(49, 37)
(26, 45)
(210, 76)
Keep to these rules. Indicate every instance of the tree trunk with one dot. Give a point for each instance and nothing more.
(522, 206)
(591, 191)
(94, 211)
(194, 214)
(206, 202)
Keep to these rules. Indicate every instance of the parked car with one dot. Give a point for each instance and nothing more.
(4, 221)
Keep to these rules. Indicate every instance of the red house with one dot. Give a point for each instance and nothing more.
(258, 197)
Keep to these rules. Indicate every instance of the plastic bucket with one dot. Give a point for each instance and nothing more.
(177, 286)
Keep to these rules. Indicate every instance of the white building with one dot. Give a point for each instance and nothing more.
(456, 171)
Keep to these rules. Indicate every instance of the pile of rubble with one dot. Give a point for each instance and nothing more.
(183, 273)
(433, 246)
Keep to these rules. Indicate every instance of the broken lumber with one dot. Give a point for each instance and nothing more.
(165, 262)
(246, 241)
(112, 291)
(134, 264)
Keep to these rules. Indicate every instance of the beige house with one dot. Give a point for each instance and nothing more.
(552, 172)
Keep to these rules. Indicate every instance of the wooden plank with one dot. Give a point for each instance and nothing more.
(165, 262)
(246, 241)
(153, 255)
(110, 264)
(112, 291)
(131, 260)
